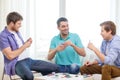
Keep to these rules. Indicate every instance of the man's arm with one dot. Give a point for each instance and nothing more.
(13, 54)
(97, 52)
(110, 58)
(52, 52)
(80, 51)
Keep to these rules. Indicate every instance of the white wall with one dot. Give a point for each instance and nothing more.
(24, 7)
(115, 13)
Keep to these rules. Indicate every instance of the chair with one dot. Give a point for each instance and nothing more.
(2, 66)
(2, 75)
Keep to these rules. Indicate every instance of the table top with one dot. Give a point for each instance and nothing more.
(61, 76)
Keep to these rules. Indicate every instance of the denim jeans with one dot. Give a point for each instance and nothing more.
(72, 69)
(24, 67)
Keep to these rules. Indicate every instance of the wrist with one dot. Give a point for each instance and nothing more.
(72, 45)
(95, 62)
(24, 46)
(56, 50)
(94, 49)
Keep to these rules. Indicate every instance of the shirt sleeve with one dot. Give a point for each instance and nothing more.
(4, 43)
(111, 57)
(78, 42)
(112, 54)
(52, 44)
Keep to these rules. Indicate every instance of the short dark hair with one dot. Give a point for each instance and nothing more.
(60, 20)
(13, 17)
(109, 25)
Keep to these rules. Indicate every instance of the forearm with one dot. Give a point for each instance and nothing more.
(19, 51)
(80, 51)
(13, 54)
(51, 54)
(99, 54)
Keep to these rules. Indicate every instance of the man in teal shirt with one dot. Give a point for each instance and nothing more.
(66, 48)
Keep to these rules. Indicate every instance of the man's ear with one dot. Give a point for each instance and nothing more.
(11, 23)
(58, 27)
(110, 32)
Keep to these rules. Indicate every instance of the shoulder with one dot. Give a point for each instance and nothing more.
(55, 37)
(3, 35)
(74, 34)
(116, 37)
(116, 41)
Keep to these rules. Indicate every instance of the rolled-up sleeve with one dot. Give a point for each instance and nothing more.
(109, 59)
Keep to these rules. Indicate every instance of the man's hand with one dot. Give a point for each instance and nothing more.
(91, 46)
(28, 43)
(60, 47)
(68, 43)
(88, 63)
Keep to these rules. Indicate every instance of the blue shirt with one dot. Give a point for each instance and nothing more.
(69, 55)
(7, 39)
(111, 50)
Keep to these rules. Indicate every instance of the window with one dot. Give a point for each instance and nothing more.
(40, 19)
(85, 16)
(47, 12)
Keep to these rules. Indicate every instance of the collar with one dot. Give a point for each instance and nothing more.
(110, 39)
(9, 32)
(65, 38)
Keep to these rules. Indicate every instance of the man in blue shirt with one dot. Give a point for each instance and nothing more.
(13, 47)
(66, 48)
(108, 63)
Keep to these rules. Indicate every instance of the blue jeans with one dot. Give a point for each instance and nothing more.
(72, 69)
(24, 67)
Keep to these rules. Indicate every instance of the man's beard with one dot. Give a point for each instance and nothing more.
(14, 29)
(65, 34)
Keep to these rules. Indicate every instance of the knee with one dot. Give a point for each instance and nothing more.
(74, 69)
(29, 76)
(54, 68)
(106, 68)
(82, 69)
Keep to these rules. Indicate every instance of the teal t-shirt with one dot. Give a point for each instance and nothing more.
(69, 55)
